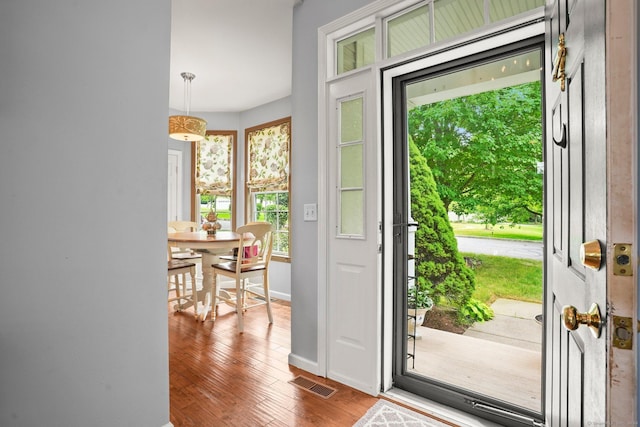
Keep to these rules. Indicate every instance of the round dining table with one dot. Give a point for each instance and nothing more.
(211, 246)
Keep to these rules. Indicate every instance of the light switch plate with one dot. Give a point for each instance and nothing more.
(310, 212)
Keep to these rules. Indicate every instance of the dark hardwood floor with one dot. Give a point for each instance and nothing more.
(221, 378)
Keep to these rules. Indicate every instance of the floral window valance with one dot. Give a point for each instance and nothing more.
(268, 151)
(214, 165)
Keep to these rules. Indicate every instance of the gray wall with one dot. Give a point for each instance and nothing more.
(83, 123)
(307, 18)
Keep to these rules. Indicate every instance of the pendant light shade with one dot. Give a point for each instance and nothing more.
(186, 127)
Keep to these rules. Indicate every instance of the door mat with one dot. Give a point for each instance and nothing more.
(387, 414)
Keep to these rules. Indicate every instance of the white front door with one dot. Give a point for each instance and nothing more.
(353, 323)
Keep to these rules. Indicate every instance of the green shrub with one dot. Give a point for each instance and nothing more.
(437, 260)
(474, 311)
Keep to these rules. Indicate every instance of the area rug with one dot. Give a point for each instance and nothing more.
(388, 414)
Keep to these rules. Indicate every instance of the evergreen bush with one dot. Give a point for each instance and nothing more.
(439, 266)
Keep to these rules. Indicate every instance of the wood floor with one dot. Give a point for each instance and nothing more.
(221, 378)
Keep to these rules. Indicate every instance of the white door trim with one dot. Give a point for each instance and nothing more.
(622, 197)
(179, 190)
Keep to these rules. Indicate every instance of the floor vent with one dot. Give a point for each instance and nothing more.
(314, 387)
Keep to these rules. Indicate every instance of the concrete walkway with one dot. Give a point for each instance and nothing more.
(514, 323)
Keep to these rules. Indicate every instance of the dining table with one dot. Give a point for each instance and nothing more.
(211, 246)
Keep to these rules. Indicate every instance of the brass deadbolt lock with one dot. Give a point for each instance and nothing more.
(591, 254)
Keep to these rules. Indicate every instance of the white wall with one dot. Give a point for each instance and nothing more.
(307, 18)
(83, 183)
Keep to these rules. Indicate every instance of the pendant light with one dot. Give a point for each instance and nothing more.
(187, 128)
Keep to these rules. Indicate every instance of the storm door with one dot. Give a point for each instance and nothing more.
(468, 140)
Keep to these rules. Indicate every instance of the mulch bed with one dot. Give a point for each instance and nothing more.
(444, 320)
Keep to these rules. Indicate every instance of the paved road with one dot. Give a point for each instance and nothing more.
(510, 248)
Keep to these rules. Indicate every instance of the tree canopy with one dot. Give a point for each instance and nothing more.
(483, 151)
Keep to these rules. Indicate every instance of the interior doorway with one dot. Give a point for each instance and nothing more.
(468, 151)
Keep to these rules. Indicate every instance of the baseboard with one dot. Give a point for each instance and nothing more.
(168, 425)
(371, 389)
(304, 364)
(279, 295)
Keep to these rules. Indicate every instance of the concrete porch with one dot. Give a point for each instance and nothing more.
(501, 358)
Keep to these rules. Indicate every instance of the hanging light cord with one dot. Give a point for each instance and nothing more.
(187, 90)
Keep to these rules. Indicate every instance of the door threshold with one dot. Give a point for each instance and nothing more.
(438, 410)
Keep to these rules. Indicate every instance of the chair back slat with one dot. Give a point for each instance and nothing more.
(178, 227)
(255, 246)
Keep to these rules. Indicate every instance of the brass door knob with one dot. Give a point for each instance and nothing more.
(591, 254)
(573, 319)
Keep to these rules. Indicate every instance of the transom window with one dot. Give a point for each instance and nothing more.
(425, 23)
(356, 51)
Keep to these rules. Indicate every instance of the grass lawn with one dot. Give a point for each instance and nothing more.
(221, 214)
(503, 277)
(499, 231)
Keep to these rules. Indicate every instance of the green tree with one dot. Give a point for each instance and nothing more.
(439, 266)
(273, 207)
(483, 151)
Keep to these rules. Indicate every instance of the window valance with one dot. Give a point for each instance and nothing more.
(268, 151)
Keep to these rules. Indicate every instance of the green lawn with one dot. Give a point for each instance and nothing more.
(204, 210)
(503, 277)
(499, 231)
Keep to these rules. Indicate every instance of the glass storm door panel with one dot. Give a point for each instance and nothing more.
(468, 150)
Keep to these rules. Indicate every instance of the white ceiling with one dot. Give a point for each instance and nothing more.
(239, 50)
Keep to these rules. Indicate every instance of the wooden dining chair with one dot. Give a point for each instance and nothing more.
(253, 258)
(177, 270)
(180, 226)
(180, 262)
